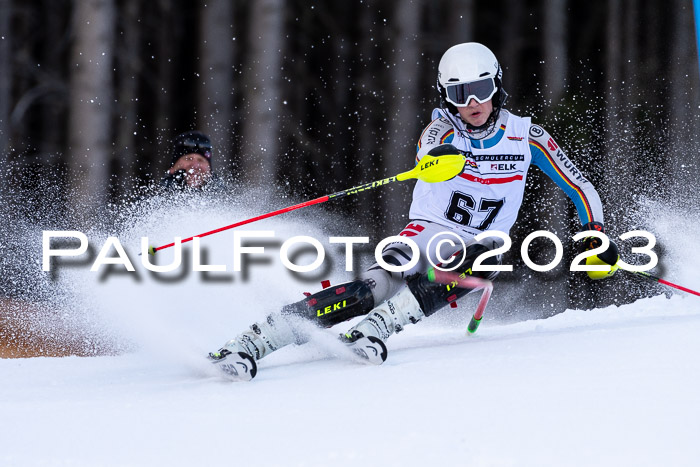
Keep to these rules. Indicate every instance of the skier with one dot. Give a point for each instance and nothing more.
(500, 147)
(190, 162)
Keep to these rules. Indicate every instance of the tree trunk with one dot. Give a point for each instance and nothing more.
(262, 88)
(555, 78)
(613, 56)
(612, 80)
(216, 77)
(165, 85)
(404, 121)
(342, 167)
(51, 99)
(5, 90)
(461, 26)
(368, 149)
(683, 99)
(129, 68)
(651, 59)
(89, 119)
(555, 55)
(630, 63)
(510, 56)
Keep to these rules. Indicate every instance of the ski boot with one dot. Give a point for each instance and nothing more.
(370, 348)
(238, 366)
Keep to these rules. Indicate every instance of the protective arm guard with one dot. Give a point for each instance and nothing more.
(335, 304)
(550, 158)
(432, 296)
(435, 134)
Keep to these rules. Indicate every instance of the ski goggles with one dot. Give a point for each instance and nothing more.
(196, 145)
(459, 94)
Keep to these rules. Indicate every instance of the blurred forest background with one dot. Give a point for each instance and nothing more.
(306, 98)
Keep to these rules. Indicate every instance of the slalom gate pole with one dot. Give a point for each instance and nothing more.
(467, 282)
(646, 275)
(430, 169)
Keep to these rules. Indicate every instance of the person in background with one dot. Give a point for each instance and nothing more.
(190, 165)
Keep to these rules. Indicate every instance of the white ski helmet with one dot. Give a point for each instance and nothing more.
(470, 71)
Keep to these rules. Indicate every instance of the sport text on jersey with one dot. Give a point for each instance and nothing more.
(497, 157)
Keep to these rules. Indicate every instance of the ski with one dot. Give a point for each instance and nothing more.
(237, 366)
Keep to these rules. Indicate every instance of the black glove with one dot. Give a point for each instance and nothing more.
(610, 256)
(176, 180)
(444, 150)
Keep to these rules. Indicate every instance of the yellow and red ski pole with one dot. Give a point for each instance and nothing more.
(430, 169)
(466, 282)
(646, 275)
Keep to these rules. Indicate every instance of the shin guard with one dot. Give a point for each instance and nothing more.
(334, 305)
(432, 295)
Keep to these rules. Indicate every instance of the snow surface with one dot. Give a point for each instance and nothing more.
(605, 387)
(615, 386)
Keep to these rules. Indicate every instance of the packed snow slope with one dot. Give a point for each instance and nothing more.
(605, 387)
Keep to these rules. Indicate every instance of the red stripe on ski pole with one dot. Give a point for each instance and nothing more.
(651, 277)
(679, 287)
(252, 219)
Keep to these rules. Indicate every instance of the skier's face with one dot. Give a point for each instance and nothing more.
(197, 168)
(474, 113)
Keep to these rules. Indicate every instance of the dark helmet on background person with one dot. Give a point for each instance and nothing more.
(191, 142)
(467, 71)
